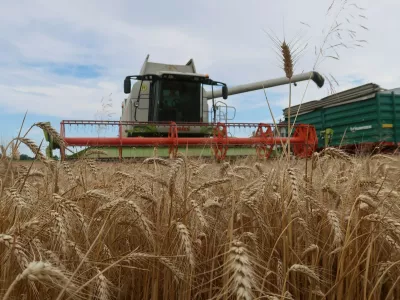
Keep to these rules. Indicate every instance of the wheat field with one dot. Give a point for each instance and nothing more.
(323, 228)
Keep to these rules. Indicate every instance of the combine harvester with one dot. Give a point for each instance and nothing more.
(167, 110)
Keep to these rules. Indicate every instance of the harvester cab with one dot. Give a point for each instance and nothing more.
(167, 106)
(165, 97)
(165, 93)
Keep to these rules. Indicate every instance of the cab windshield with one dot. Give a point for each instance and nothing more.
(179, 101)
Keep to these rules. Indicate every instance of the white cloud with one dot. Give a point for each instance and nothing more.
(65, 101)
(224, 38)
(48, 48)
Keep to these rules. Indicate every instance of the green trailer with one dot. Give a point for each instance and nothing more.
(364, 117)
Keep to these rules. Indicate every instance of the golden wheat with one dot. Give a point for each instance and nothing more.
(183, 231)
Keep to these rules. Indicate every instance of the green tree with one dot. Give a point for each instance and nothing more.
(25, 157)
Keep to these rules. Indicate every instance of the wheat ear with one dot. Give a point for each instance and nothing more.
(305, 270)
(242, 278)
(52, 132)
(335, 223)
(173, 173)
(16, 247)
(143, 221)
(336, 153)
(95, 152)
(184, 235)
(33, 147)
(102, 286)
(69, 172)
(42, 272)
(295, 189)
(209, 184)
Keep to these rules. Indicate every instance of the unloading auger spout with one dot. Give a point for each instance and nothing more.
(249, 87)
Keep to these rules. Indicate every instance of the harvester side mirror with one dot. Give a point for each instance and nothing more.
(224, 92)
(127, 85)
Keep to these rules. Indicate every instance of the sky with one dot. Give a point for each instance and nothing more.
(68, 59)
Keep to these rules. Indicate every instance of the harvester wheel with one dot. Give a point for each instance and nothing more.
(309, 134)
(220, 148)
(264, 150)
(173, 134)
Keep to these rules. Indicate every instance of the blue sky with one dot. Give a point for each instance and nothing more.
(69, 69)
(59, 60)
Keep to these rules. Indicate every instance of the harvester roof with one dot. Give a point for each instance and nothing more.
(153, 68)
